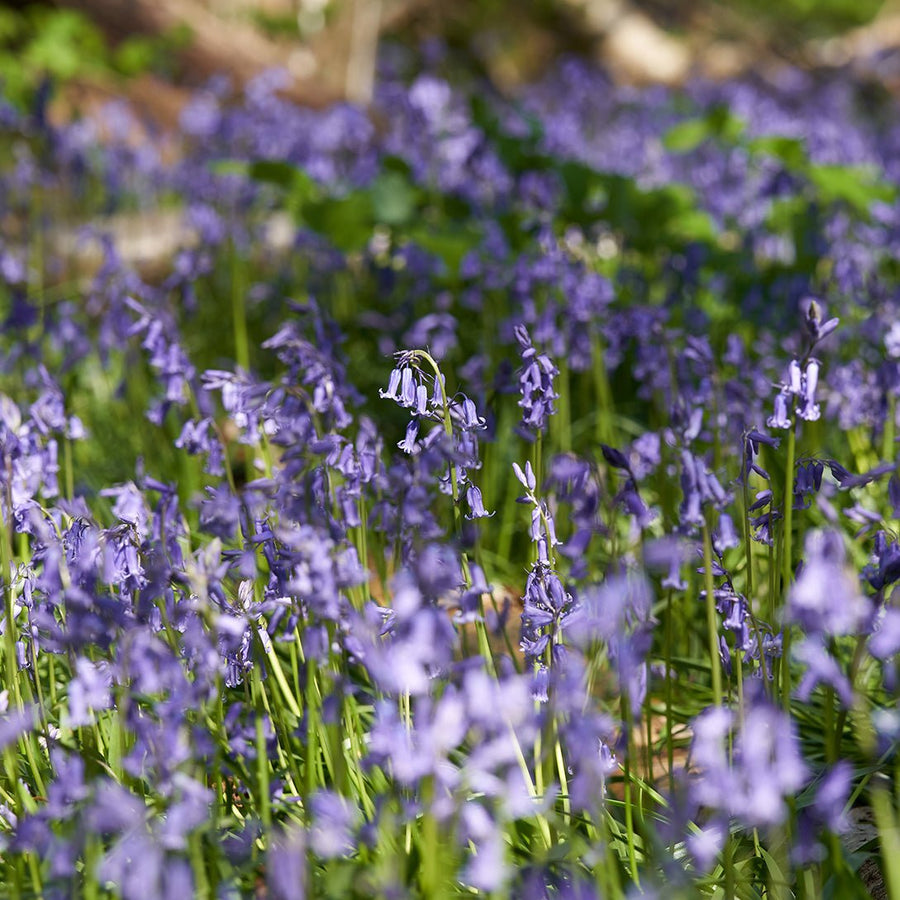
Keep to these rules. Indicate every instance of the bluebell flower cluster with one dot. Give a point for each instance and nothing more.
(262, 632)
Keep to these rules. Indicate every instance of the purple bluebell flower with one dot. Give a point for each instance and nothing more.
(644, 457)
(615, 458)
(487, 870)
(781, 417)
(188, 809)
(885, 641)
(699, 487)
(826, 597)
(816, 329)
(220, 512)
(13, 723)
(286, 866)
(130, 506)
(89, 691)
(536, 391)
(828, 812)
(476, 504)
(334, 820)
(767, 766)
(707, 842)
(409, 443)
(751, 443)
(546, 605)
(809, 409)
(832, 794)
(821, 668)
(200, 437)
(526, 477)
(808, 482)
(726, 536)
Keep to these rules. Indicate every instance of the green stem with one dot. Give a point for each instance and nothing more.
(887, 450)
(712, 622)
(728, 862)
(262, 765)
(6, 560)
(432, 850)
(69, 471)
(563, 420)
(787, 569)
(748, 546)
(312, 728)
(670, 743)
(889, 836)
(625, 707)
(603, 428)
(859, 652)
(239, 310)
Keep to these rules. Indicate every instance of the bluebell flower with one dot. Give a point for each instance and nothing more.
(828, 812)
(809, 409)
(707, 842)
(767, 764)
(821, 668)
(334, 820)
(536, 391)
(89, 691)
(885, 641)
(409, 444)
(826, 597)
(476, 504)
(526, 477)
(699, 487)
(488, 869)
(751, 443)
(781, 417)
(816, 329)
(200, 437)
(286, 865)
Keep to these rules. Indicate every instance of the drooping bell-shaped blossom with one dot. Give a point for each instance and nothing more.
(826, 598)
(536, 389)
(765, 769)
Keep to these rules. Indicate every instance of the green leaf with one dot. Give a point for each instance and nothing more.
(298, 187)
(277, 172)
(719, 124)
(857, 186)
(66, 44)
(778, 877)
(450, 242)
(134, 56)
(686, 136)
(11, 25)
(791, 151)
(346, 222)
(693, 225)
(394, 198)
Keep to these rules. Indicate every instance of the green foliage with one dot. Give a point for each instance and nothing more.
(154, 53)
(40, 42)
(805, 19)
(348, 221)
(717, 124)
(856, 186)
(43, 42)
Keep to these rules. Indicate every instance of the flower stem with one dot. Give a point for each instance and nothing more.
(711, 618)
(786, 564)
(239, 310)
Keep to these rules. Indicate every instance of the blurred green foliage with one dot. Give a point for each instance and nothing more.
(40, 42)
(807, 18)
